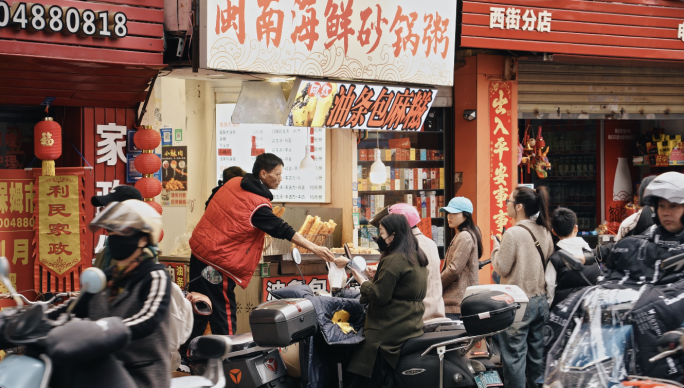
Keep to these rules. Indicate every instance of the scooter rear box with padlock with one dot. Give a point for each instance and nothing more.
(280, 323)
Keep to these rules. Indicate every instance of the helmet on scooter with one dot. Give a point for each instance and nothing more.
(128, 218)
(668, 186)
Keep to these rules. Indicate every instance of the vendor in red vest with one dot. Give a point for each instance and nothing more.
(230, 238)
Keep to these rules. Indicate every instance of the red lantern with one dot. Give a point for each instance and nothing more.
(47, 144)
(147, 163)
(156, 206)
(147, 138)
(149, 187)
(161, 235)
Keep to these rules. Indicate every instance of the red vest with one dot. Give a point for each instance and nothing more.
(225, 237)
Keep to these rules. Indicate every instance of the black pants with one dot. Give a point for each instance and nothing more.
(223, 319)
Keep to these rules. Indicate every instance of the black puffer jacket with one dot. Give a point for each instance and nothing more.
(569, 281)
(639, 259)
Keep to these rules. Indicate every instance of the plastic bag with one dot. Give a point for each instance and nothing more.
(336, 276)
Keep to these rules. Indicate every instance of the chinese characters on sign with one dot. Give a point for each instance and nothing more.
(112, 144)
(317, 283)
(345, 105)
(240, 144)
(390, 40)
(16, 229)
(175, 176)
(500, 154)
(509, 19)
(59, 233)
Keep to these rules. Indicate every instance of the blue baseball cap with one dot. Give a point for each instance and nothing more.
(458, 205)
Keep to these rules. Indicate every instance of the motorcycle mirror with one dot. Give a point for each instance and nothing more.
(93, 281)
(297, 257)
(358, 263)
(570, 261)
(211, 275)
(4, 267)
(4, 279)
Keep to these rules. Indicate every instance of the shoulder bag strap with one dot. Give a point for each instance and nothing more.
(536, 244)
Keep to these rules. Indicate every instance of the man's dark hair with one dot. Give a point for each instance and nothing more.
(563, 221)
(266, 162)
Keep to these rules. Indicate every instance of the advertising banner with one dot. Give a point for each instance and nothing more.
(240, 144)
(174, 175)
(383, 40)
(501, 146)
(619, 146)
(16, 230)
(317, 283)
(359, 106)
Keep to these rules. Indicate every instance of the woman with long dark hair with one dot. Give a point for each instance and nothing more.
(521, 260)
(395, 304)
(461, 262)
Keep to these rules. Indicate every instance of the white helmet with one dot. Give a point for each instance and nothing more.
(129, 217)
(669, 186)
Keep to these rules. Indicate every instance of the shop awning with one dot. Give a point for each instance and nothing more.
(29, 80)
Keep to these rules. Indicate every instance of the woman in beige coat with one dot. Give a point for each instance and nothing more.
(462, 258)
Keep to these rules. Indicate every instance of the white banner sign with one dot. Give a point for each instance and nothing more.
(384, 40)
(240, 144)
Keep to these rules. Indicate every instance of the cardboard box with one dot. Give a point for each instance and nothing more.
(363, 154)
(423, 154)
(441, 178)
(403, 143)
(412, 155)
(388, 155)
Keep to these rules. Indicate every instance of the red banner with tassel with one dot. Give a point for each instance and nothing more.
(59, 242)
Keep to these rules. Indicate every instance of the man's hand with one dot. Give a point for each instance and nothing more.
(323, 253)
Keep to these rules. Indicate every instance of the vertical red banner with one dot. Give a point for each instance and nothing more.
(16, 230)
(501, 147)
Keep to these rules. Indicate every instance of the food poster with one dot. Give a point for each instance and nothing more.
(174, 175)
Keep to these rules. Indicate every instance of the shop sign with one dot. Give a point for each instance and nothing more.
(501, 144)
(16, 229)
(317, 283)
(384, 40)
(359, 106)
(59, 223)
(112, 144)
(240, 144)
(174, 175)
(67, 20)
(579, 27)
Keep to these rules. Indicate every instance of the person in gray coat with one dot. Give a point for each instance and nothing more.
(138, 291)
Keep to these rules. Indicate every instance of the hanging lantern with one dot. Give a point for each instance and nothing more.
(161, 236)
(147, 162)
(147, 138)
(47, 144)
(156, 206)
(148, 187)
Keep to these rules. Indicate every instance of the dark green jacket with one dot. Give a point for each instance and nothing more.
(395, 312)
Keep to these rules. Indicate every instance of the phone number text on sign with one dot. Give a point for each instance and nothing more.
(68, 20)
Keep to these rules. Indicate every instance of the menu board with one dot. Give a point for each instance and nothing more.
(240, 144)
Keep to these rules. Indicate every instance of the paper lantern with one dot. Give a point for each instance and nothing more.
(147, 138)
(47, 144)
(149, 187)
(147, 163)
(156, 206)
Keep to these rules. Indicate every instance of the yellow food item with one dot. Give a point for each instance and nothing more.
(306, 225)
(323, 107)
(173, 184)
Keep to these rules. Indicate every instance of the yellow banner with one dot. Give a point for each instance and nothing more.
(58, 227)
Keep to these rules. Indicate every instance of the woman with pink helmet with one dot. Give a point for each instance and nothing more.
(434, 304)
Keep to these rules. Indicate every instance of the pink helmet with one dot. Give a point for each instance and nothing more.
(404, 209)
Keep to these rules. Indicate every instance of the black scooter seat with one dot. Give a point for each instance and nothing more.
(420, 344)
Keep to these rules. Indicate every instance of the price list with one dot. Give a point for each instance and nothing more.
(240, 144)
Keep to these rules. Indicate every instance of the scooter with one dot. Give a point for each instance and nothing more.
(28, 326)
(435, 359)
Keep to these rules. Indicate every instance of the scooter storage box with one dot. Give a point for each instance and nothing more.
(279, 323)
(516, 292)
(487, 312)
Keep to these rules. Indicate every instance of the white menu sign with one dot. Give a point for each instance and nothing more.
(240, 144)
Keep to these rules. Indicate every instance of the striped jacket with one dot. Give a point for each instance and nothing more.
(144, 305)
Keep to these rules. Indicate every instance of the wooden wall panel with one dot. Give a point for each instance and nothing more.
(602, 28)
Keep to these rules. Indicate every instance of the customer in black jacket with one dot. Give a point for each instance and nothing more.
(560, 280)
